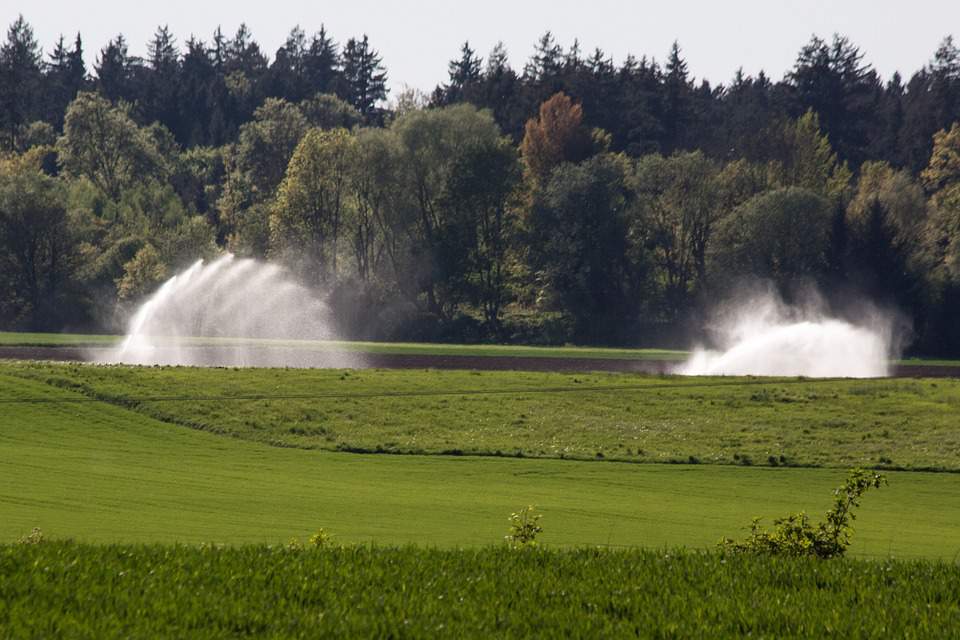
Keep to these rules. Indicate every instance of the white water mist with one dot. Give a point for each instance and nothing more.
(762, 336)
(227, 312)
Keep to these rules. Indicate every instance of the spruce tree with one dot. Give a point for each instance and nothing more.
(463, 73)
(832, 80)
(55, 91)
(499, 91)
(113, 70)
(243, 54)
(322, 64)
(65, 75)
(286, 73)
(20, 81)
(678, 101)
(163, 80)
(547, 60)
(364, 77)
(195, 100)
(218, 50)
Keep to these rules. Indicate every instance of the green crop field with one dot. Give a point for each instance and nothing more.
(97, 471)
(169, 498)
(897, 423)
(65, 590)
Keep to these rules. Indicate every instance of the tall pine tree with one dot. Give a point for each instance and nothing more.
(464, 73)
(162, 90)
(678, 102)
(20, 81)
(322, 64)
(65, 76)
(364, 77)
(113, 69)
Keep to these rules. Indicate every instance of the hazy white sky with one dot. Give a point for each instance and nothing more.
(417, 39)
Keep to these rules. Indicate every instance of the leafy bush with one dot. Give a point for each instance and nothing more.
(295, 544)
(524, 528)
(322, 539)
(34, 537)
(794, 535)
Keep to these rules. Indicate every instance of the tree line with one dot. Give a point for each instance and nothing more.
(572, 200)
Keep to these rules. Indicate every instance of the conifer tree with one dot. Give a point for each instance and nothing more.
(287, 72)
(20, 81)
(547, 60)
(833, 81)
(364, 76)
(113, 70)
(218, 49)
(196, 99)
(463, 72)
(677, 101)
(65, 76)
(162, 87)
(322, 64)
(243, 54)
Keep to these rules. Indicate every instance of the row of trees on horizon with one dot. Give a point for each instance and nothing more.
(574, 200)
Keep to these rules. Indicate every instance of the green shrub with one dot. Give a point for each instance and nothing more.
(794, 535)
(322, 539)
(295, 544)
(524, 528)
(34, 537)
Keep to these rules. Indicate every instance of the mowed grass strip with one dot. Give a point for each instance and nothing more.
(102, 473)
(892, 423)
(12, 338)
(68, 590)
(23, 339)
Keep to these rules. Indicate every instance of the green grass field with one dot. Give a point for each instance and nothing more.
(99, 472)
(902, 423)
(20, 339)
(138, 475)
(15, 339)
(56, 591)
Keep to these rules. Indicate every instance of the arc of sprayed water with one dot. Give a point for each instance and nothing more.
(228, 297)
(135, 338)
(205, 279)
(232, 307)
(816, 348)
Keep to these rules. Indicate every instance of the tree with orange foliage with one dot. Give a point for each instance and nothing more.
(557, 135)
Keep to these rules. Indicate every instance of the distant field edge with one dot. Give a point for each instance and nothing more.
(74, 346)
(15, 339)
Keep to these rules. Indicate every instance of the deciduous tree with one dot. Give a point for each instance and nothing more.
(557, 135)
(307, 220)
(102, 143)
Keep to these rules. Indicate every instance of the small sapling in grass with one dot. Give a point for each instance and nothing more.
(524, 528)
(34, 537)
(794, 535)
(295, 544)
(322, 539)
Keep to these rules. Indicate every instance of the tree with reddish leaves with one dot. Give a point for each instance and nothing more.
(556, 136)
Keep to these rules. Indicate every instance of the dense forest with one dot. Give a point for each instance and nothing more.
(571, 200)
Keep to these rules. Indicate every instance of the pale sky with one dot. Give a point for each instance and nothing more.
(417, 39)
